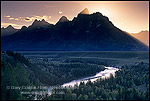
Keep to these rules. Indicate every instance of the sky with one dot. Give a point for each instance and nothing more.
(130, 16)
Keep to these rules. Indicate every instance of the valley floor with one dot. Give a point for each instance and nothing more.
(51, 68)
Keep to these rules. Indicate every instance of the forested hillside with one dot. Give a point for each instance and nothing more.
(17, 71)
(14, 74)
(129, 83)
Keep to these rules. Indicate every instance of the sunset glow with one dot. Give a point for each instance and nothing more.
(130, 16)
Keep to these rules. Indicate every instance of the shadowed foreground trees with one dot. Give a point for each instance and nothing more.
(129, 83)
(13, 76)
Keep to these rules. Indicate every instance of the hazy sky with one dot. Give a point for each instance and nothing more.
(130, 16)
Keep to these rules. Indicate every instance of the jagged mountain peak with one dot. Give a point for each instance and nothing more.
(10, 27)
(85, 11)
(43, 20)
(8, 30)
(86, 32)
(38, 23)
(62, 19)
(23, 28)
(35, 20)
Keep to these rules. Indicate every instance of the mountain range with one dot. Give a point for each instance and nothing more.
(8, 30)
(143, 36)
(86, 32)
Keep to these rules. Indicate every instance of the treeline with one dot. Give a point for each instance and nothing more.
(83, 60)
(16, 70)
(60, 73)
(129, 83)
(14, 74)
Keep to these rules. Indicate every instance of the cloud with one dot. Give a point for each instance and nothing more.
(11, 18)
(16, 19)
(60, 12)
(3, 24)
(7, 16)
(51, 22)
(29, 19)
(45, 17)
(49, 6)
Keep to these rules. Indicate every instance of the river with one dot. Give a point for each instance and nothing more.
(103, 74)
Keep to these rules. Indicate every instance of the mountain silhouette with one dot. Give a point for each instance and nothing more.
(143, 36)
(85, 11)
(63, 19)
(38, 23)
(23, 28)
(8, 30)
(86, 32)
